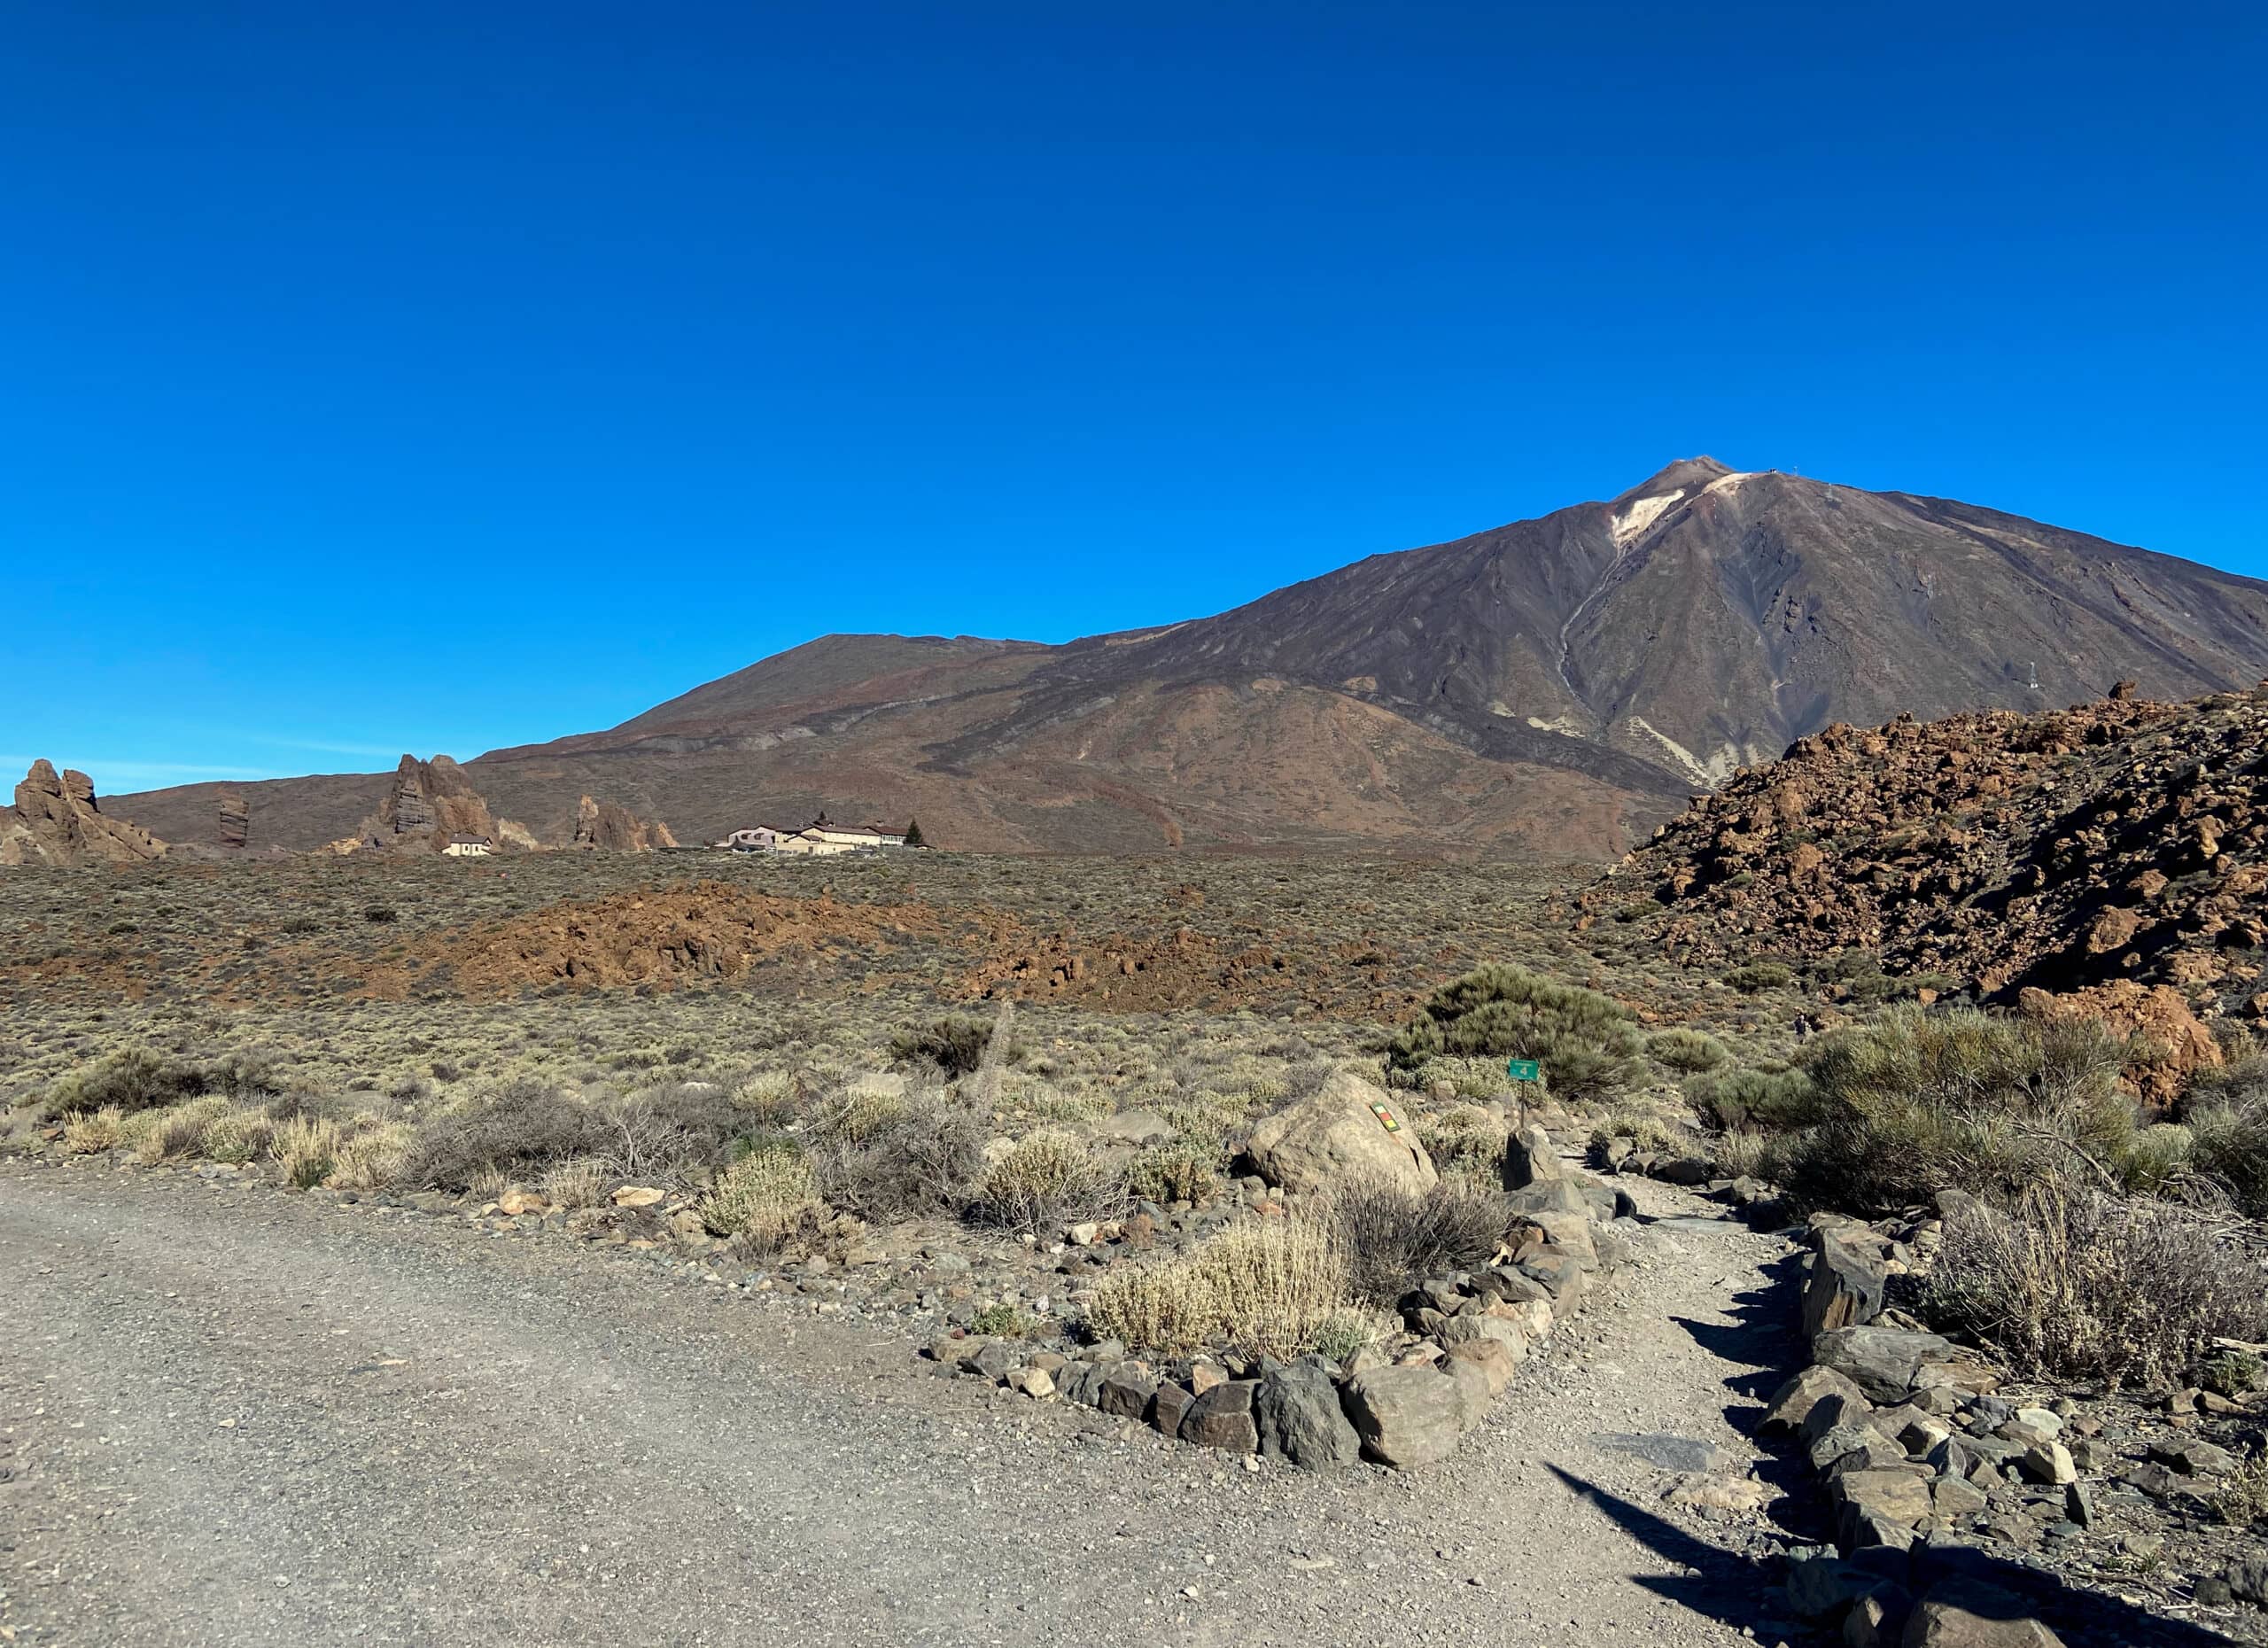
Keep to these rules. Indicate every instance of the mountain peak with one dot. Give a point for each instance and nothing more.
(1683, 475)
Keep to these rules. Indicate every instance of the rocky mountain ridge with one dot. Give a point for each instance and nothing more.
(1550, 688)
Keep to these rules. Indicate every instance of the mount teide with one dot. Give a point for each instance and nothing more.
(1550, 688)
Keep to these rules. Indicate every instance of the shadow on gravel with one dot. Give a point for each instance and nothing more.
(1742, 1592)
(1762, 1341)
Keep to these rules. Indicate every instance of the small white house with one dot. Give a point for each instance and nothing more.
(469, 847)
(760, 839)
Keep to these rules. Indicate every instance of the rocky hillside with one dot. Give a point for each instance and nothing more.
(2119, 849)
(1550, 688)
(56, 821)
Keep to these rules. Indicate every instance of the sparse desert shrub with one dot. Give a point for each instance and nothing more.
(86, 1132)
(304, 1149)
(1262, 1286)
(955, 1045)
(1182, 1170)
(1348, 1330)
(1467, 1143)
(926, 1159)
(763, 1197)
(1646, 1132)
(1001, 1320)
(1046, 1179)
(370, 1154)
(675, 1129)
(578, 1182)
(518, 1132)
(2242, 1500)
(178, 1129)
(1752, 976)
(1769, 1096)
(1690, 1050)
(2228, 1128)
(2075, 1283)
(1585, 1042)
(1741, 1155)
(381, 914)
(126, 1081)
(1394, 1238)
(239, 1136)
(1912, 1103)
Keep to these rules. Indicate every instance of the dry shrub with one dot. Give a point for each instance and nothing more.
(1768, 1096)
(1394, 1236)
(1046, 1179)
(924, 1157)
(239, 1136)
(2075, 1283)
(1467, 1142)
(304, 1149)
(578, 1182)
(130, 1080)
(1184, 1170)
(2227, 1119)
(2242, 1500)
(176, 1130)
(675, 1129)
(86, 1132)
(763, 1197)
(1647, 1132)
(1262, 1286)
(516, 1133)
(370, 1158)
(954, 1045)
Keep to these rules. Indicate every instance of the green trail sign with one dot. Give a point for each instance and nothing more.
(1524, 1070)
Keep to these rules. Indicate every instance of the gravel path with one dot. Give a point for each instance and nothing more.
(231, 1415)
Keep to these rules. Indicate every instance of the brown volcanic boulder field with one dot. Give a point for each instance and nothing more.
(2115, 848)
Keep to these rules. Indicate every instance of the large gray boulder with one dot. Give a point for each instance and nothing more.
(1848, 1274)
(1299, 1419)
(1407, 1415)
(1967, 1613)
(1336, 1135)
(1880, 1361)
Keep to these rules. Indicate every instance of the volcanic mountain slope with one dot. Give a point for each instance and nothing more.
(1548, 689)
(2115, 849)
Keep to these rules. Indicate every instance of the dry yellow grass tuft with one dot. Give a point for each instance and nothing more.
(1272, 1287)
(763, 1196)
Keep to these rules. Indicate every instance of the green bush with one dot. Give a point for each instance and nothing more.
(1184, 1170)
(1585, 1042)
(2226, 1111)
(1688, 1050)
(1773, 1096)
(1912, 1103)
(1756, 975)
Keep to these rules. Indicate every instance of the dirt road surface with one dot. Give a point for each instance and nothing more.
(230, 1415)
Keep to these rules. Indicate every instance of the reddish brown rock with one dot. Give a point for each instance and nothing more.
(57, 820)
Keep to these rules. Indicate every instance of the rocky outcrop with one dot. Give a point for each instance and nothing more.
(1349, 1130)
(604, 826)
(236, 819)
(2106, 851)
(56, 821)
(430, 801)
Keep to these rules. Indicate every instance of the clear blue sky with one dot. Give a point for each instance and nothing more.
(443, 377)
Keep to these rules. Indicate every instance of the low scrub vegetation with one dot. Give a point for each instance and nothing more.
(2073, 1283)
(1915, 1103)
(1277, 1288)
(1393, 1236)
(1046, 1178)
(1588, 1043)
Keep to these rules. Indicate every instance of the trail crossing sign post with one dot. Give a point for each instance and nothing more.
(1524, 1070)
